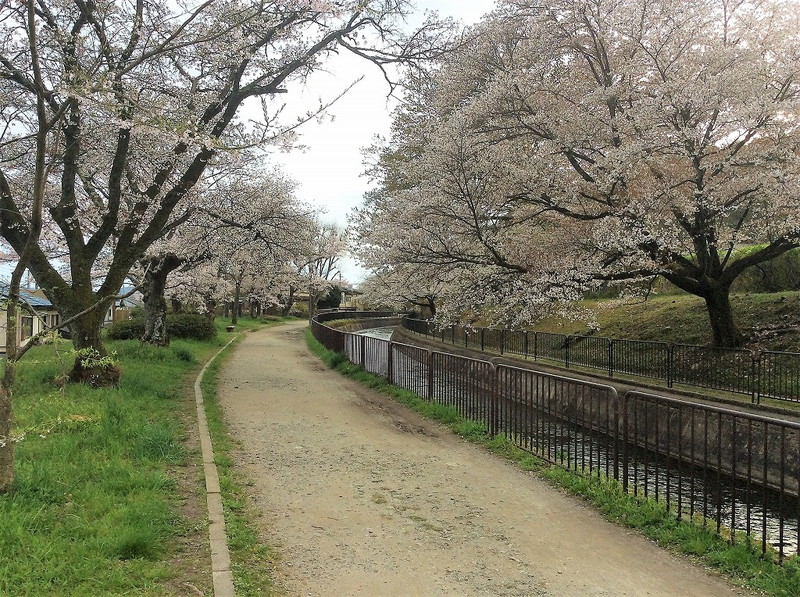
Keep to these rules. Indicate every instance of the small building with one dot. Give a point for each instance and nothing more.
(351, 300)
(122, 309)
(44, 315)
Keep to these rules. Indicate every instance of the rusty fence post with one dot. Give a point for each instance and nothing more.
(390, 362)
(671, 365)
(623, 404)
(611, 358)
(430, 375)
(494, 404)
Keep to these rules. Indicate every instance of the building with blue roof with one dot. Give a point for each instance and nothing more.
(37, 314)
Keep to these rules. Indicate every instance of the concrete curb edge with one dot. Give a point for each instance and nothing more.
(220, 557)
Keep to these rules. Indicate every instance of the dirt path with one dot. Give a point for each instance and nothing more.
(363, 497)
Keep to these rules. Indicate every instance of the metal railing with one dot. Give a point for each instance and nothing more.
(730, 469)
(770, 374)
(734, 472)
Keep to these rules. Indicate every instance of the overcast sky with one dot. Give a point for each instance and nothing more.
(329, 170)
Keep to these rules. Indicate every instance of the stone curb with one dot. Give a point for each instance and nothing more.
(218, 539)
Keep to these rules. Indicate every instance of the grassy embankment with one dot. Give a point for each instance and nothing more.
(741, 562)
(108, 497)
(768, 321)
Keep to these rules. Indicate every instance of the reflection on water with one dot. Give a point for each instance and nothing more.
(384, 333)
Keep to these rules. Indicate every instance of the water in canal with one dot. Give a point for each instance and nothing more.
(384, 333)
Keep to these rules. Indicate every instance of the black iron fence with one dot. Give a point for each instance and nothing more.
(760, 375)
(735, 472)
(332, 338)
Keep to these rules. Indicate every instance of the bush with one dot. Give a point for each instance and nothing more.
(132, 329)
(195, 326)
(191, 325)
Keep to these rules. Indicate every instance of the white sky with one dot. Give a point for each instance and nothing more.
(329, 170)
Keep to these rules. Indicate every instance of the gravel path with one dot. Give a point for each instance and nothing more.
(363, 497)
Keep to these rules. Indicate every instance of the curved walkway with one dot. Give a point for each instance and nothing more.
(363, 497)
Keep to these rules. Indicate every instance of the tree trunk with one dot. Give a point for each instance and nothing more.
(236, 306)
(313, 299)
(177, 305)
(91, 364)
(155, 318)
(155, 305)
(289, 302)
(723, 327)
(6, 393)
(211, 306)
(6, 445)
(7, 389)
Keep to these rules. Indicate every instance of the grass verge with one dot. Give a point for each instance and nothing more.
(252, 562)
(95, 509)
(741, 562)
(247, 324)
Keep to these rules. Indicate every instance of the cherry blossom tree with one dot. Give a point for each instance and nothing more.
(267, 257)
(583, 142)
(198, 286)
(28, 242)
(397, 287)
(139, 98)
(319, 267)
(245, 223)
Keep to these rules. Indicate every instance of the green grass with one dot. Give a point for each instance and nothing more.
(769, 321)
(94, 509)
(252, 561)
(741, 562)
(247, 323)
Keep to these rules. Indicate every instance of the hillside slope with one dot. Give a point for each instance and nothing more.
(768, 321)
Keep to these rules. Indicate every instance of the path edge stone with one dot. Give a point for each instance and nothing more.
(221, 573)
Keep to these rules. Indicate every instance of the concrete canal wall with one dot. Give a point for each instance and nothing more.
(737, 442)
(356, 325)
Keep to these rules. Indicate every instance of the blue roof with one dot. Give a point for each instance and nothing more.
(32, 300)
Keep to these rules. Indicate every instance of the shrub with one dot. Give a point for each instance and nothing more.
(191, 325)
(132, 329)
(195, 326)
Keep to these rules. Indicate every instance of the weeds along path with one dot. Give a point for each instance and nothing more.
(363, 497)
